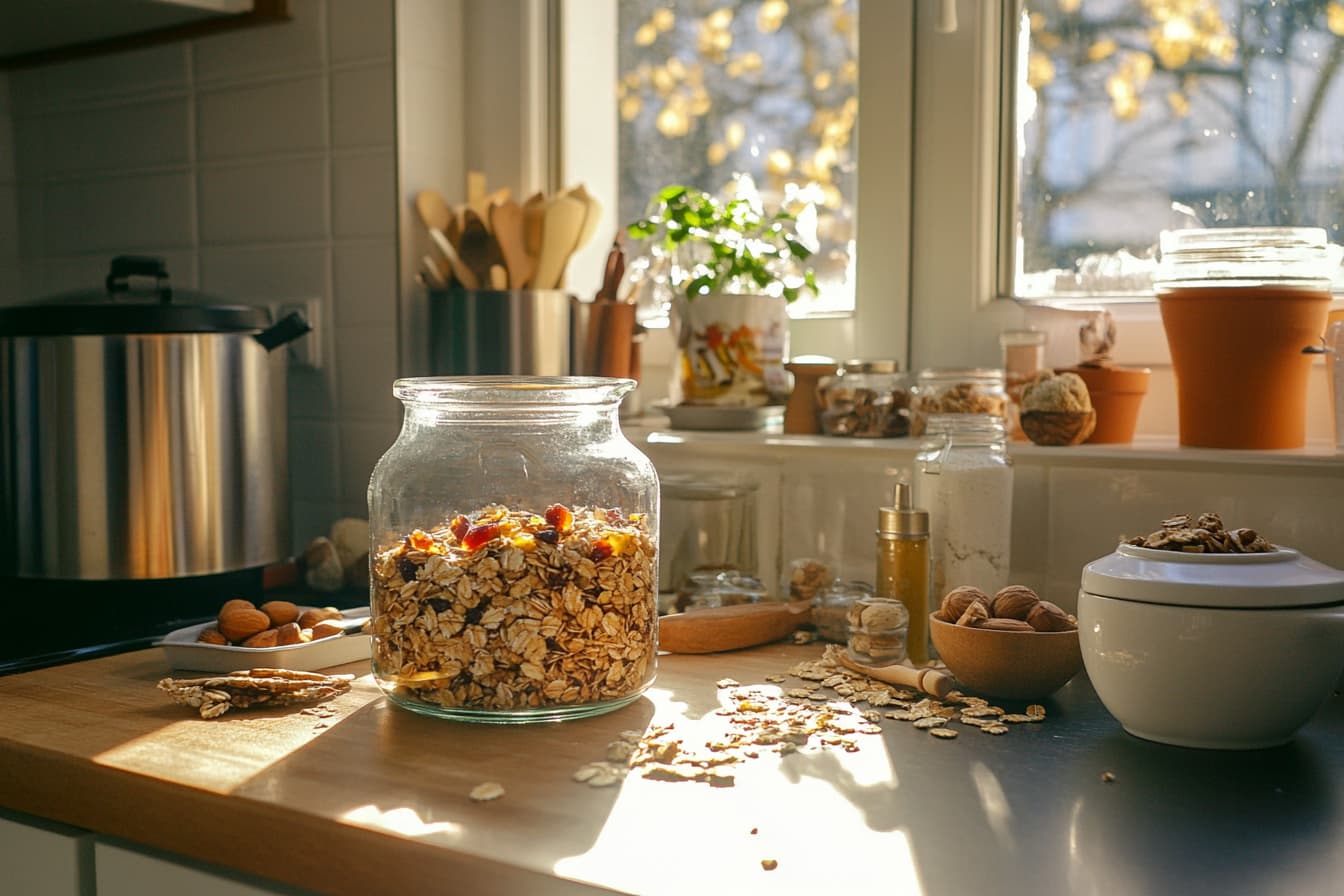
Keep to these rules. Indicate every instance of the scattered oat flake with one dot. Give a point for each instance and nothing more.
(1108, 777)
(1017, 718)
(995, 729)
(1035, 710)
(776, 679)
(932, 722)
(947, 733)
(490, 790)
(727, 683)
(769, 864)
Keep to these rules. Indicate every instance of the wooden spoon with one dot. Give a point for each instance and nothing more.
(436, 216)
(534, 215)
(506, 220)
(559, 235)
(478, 248)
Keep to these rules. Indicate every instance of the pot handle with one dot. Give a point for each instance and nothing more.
(286, 329)
(124, 267)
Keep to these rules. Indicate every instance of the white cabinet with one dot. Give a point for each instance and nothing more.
(126, 871)
(42, 858)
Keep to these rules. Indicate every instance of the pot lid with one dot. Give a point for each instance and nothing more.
(135, 298)
(1278, 578)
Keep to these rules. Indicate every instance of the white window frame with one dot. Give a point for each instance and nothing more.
(880, 324)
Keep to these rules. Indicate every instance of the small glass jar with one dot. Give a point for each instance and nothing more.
(1023, 359)
(868, 399)
(964, 479)
(830, 609)
(877, 630)
(965, 390)
(807, 576)
(729, 588)
(514, 536)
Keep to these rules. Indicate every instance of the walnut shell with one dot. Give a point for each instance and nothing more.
(976, 614)
(1058, 427)
(1013, 602)
(281, 612)
(958, 599)
(311, 617)
(268, 638)
(1006, 625)
(239, 623)
(1047, 617)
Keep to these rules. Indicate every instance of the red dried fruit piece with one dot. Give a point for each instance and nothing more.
(478, 536)
(602, 549)
(459, 525)
(421, 540)
(561, 517)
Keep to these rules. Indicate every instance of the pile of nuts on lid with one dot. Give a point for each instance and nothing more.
(1015, 608)
(1205, 535)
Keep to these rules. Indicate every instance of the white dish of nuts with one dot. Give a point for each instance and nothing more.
(185, 650)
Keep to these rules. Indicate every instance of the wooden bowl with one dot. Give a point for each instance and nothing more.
(1015, 665)
(1058, 427)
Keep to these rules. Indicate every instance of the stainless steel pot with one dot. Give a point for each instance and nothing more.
(142, 432)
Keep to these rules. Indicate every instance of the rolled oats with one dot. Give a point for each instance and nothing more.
(510, 609)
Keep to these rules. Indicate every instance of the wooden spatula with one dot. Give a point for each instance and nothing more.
(506, 220)
(437, 218)
(559, 235)
(478, 248)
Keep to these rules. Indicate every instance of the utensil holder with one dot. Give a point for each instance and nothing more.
(521, 332)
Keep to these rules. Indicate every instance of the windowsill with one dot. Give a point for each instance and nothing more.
(1161, 451)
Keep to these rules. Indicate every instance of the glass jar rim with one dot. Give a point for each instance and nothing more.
(1219, 239)
(855, 365)
(939, 424)
(962, 373)
(482, 391)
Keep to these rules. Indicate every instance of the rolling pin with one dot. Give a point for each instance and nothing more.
(730, 628)
(930, 681)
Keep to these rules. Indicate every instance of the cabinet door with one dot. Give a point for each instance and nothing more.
(124, 871)
(42, 858)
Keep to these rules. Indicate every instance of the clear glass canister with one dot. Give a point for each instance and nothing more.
(869, 399)
(1023, 358)
(1238, 305)
(514, 551)
(877, 630)
(831, 606)
(964, 479)
(956, 390)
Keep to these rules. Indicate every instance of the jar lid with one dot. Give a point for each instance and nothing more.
(1278, 578)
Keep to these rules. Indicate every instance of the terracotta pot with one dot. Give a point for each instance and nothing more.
(1241, 377)
(1117, 393)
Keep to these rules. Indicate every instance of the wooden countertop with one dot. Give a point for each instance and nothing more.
(375, 798)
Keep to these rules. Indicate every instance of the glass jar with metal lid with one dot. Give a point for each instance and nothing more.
(869, 399)
(956, 390)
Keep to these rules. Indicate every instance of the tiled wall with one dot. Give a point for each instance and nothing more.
(262, 164)
(9, 224)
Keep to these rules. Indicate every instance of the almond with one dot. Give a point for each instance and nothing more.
(211, 636)
(1013, 602)
(236, 604)
(281, 612)
(312, 616)
(1006, 625)
(239, 623)
(289, 633)
(326, 629)
(268, 638)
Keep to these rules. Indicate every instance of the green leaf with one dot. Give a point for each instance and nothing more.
(641, 230)
(671, 193)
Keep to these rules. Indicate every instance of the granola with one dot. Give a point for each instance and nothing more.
(511, 609)
(1205, 534)
(216, 695)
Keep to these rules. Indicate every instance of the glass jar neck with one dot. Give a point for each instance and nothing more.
(1246, 256)
(965, 430)
(588, 403)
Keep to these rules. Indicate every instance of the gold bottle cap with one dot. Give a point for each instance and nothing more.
(904, 518)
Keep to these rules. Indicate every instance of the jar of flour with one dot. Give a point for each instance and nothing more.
(964, 478)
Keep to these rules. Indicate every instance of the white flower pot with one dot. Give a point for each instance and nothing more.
(731, 350)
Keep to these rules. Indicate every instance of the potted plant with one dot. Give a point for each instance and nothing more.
(1116, 392)
(731, 268)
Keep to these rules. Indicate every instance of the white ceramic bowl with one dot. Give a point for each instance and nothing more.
(1221, 651)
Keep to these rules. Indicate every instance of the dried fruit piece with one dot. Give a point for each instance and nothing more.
(561, 517)
(420, 540)
(458, 526)
(769, 864)
(549, 536)
(480, 535)
(602, 549)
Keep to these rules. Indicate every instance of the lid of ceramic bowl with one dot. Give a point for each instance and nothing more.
(1278, 578)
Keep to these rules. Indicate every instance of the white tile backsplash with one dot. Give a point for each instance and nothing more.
(313, 461)
(366, 366)
(265, 201)
(281, 49)
(363, 110)
(358, 30)
(364, 195)
(257, 275)
(130, 135)
(134, 73)
(365, 282)
(362, 444)
(287, 116)
(118, 214)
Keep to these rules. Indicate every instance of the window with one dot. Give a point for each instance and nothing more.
(1134, 116)
(708, 89)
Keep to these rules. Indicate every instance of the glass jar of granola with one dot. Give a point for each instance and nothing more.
(956, 390)
(514, 551)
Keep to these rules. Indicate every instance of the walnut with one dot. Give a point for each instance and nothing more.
(1047, 617)
(958, 599)
(1006, 625)
(1013, 602)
